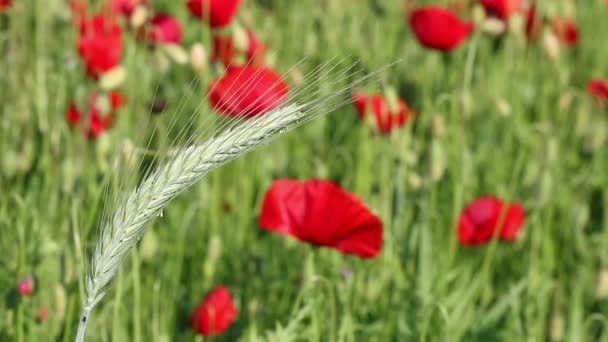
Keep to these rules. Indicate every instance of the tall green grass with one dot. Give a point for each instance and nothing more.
(507, 130)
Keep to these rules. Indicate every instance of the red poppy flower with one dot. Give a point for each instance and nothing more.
(385, 118)
(247, 91)
(99, 44)
(322, 213)
(165, 29)
(217, 13)
(124, 7)
(565, 29)
(479, 219)
(215, 312)
(598, 88)
(224, 50)
(4, 4)
(438, 28)
(501, 8)
(97, 122)
(534, 23)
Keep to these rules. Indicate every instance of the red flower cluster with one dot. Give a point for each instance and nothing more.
(217, 13)
(439, 28)
(99, 44)
(480, 219)
(385, 117)
(215, 312)
(320, 212)
(95, 121)
(247, 91)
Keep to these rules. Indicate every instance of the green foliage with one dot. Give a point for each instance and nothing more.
(496, 117)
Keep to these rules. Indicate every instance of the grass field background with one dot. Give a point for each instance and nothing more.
(496, 116)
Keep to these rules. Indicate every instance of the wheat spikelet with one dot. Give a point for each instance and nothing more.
(121, 230)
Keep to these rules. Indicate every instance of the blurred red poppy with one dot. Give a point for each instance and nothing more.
(97, 122)
(214, 313)
(164, 29)
(502, 8)
(4, 4)
(99, 44)
(479, 219)
(534, 23)
(25, 286)
(598, 88)
(124, 7)
(247, 91)
(385, 118)
(565, 29)
(224, 50)
(43, 313)
(439, 28)
(320, 212)
(217, 13)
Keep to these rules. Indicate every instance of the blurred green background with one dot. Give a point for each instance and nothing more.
(496, 116)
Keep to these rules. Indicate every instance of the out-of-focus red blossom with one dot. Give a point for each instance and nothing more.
(214, 313)
(598, 88)
(217, 13)
(479, 219)
(385, 118)
(320, 212)
(565, 29)
(247, 91)
(4, 4)
(78, 8)
(534, 23)
(255, 49)
(164, 29)
(97, 122)
(43, 313)
(99, 44)
(437, 27)
(25, 286)
(502, 8)
(225, 51)
(124, 7)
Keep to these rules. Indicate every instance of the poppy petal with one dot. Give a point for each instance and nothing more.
(247, 91)
(438, 28)
(322, 213)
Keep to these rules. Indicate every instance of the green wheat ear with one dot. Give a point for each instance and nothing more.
(186, 165)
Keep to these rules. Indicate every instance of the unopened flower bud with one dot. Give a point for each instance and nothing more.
(198, 57)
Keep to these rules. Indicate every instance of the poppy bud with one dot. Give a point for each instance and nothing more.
(240, 40)
(601, 284)
(198, 57)
(112, 78)
(139, 17)
(25, 286)
(493, 26)
(43, 313)
(176, 53)
(551, 45)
